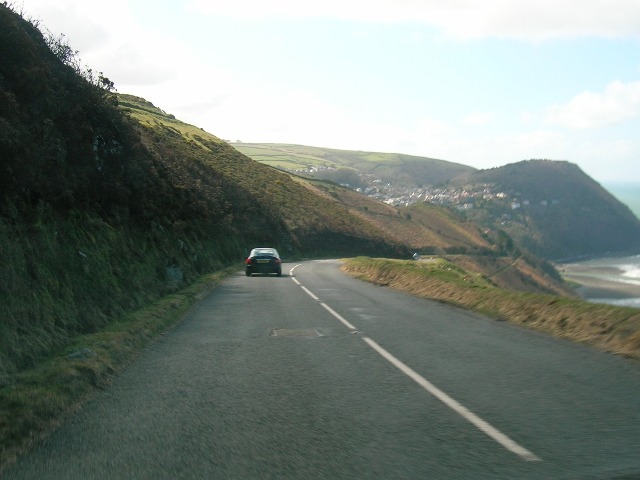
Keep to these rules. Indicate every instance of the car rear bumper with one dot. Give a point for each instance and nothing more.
(264, 269)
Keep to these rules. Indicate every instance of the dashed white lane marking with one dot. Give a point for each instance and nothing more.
(309, 293)
(338, 316)
(460, 409)
(324, 305)
(450, 402)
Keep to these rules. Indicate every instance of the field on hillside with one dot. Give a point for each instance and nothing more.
(283, 158)
(397, 168)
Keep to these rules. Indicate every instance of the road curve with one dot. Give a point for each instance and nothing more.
(318, 375)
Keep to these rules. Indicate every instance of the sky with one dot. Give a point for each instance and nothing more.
(483, 83)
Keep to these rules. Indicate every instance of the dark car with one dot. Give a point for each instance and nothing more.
(263, 260)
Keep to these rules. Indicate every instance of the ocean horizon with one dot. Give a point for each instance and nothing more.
(627, 193)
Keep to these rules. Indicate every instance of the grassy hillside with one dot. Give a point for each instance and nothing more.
(307, 224)
(422, 227)
(105, 209)
(386, 167)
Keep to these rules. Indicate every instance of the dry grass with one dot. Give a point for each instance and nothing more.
(609, 328)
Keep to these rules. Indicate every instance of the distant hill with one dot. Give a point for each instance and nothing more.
(340, 165)
(550, 208)
(554, 210)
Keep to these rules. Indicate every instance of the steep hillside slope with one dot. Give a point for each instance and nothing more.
(434, 230)
(103, 212)
(554, 210)
(306, 223)
(423, 227)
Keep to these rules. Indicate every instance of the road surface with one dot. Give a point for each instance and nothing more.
(316, 375)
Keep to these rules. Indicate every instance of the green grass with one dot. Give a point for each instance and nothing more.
(69, 274)
(299, 156)
(151, 116)
(609, 328)
(35, 401)
(398, 168)
(285, 156)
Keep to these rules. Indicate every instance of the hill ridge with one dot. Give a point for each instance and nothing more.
(500, 198)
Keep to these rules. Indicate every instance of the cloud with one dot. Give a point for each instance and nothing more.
(478, 118)
(619, 102)
(134, 68)
(110, 39)
(251, 113)
(461, 19)
(88, 26)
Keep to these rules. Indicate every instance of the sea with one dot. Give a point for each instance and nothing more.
(627, 193)
(610, 280)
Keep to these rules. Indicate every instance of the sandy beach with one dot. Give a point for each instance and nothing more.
(598, 281)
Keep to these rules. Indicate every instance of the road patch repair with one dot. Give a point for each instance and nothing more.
(295, 332)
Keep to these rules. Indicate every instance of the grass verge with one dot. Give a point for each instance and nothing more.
(35, 402)
(609, 328)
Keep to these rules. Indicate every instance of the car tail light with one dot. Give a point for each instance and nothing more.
(248, 261)
(278, 261)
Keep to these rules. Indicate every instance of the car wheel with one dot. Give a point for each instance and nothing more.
(279, 273)
(247, 273)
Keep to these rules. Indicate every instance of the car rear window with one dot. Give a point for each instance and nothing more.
(265, 251)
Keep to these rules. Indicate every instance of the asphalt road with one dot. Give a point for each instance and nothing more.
(318, 375)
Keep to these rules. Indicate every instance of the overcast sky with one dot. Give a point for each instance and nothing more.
(479, 82)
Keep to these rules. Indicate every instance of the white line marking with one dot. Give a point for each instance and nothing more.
(460, 409)
(338, 316)
(327, 307)
(293, 268)
(485, 427)
(291, 274)
(309, 293)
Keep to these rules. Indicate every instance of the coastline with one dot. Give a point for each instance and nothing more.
(601, 282)
(593, 287)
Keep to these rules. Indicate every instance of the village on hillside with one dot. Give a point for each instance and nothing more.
(461, 198)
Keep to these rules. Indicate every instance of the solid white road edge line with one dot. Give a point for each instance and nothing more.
(483, 426)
